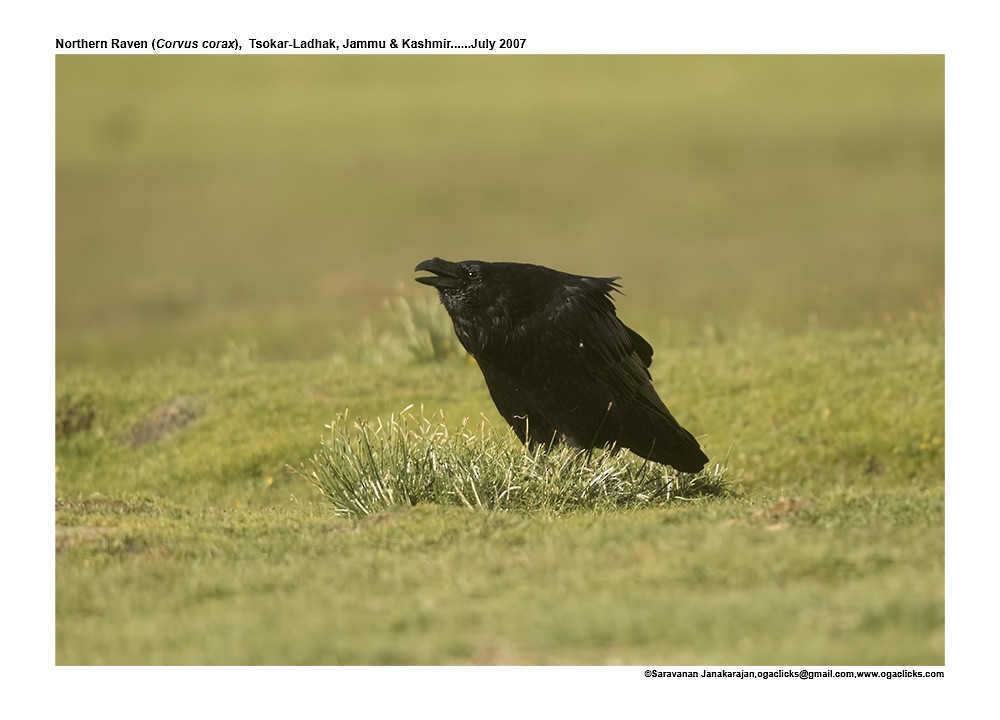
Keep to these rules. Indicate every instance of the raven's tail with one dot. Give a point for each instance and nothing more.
(681, 451)
(668, 443)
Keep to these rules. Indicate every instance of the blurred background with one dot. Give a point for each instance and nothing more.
(278, 201)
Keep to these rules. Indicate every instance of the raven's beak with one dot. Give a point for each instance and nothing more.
(446, 274)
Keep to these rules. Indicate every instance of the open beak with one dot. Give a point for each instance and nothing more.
(446, 274)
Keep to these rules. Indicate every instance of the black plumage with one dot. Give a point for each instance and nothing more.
(558, 362)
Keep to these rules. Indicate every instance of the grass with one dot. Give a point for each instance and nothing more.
(829, 550)
(717, 583)
(228, 231)
(363, 470)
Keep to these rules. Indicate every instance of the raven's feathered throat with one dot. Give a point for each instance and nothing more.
(558, 362)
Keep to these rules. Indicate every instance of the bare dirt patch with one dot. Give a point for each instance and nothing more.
(74, 414)
(163, 421)
(108, 506)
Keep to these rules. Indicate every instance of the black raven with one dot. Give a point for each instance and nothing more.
(558, 362)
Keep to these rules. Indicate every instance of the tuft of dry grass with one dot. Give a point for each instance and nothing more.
(363, 468)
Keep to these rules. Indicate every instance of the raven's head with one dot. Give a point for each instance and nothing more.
(462, 285)
(476, 297)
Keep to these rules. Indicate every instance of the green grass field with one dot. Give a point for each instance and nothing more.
(234, 235)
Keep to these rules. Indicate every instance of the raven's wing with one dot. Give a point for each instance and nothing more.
(615, 356)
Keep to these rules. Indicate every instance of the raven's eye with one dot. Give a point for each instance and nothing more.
(472, 273)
